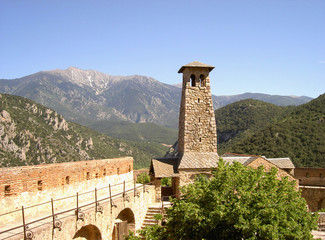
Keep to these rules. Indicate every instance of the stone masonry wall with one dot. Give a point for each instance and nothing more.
(268, 166)
(197, 128)
(314, 196)
(32, 185)
(310, 176)
(187, 176)
(16, 180)
(103, 222)
(312, 186)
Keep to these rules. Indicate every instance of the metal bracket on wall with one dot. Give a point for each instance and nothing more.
(28, 234)
(57, 223)
(80, 215)
(99, 208)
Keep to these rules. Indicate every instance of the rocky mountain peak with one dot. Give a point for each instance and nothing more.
(90, 78)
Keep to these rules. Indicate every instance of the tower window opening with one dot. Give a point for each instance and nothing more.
(202, 80)
(200, 139)
(104, 172)
(88, 175)
(198, 100)
(192, 80)
(199, 119)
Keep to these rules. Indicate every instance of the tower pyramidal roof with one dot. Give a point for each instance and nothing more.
(196, 64)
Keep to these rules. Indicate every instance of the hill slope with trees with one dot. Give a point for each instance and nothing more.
(298, 133)
(139, 132)
(32, 134)
(243, 118)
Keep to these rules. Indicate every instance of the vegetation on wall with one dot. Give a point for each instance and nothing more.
(143, 178)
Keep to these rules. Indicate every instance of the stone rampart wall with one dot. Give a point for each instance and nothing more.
(103, 222)
(310, 176)
(83, 177)
(314, 196)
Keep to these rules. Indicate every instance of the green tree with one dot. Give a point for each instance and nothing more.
(238, 202)
(143, 178)
(167, 181)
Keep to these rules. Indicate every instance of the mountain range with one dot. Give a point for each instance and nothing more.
(88, 96)
(33, 134)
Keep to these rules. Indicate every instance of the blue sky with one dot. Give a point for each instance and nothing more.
(273, 47)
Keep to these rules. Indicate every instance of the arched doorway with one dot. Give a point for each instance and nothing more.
(88, 232)
(124, 222)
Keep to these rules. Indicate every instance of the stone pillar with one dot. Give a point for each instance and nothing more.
(157, 183)
(176, 187)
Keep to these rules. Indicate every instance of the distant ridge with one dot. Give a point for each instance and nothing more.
(259, 128)
(274, 99)
(87, 96)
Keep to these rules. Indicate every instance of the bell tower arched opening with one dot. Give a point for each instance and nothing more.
(192, 79)
(202, 80)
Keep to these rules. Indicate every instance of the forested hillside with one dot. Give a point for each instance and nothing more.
(298, 133)
(32, 134)
(139, 132)
(243, 118)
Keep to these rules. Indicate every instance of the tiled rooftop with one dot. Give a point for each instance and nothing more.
(164, 167)
(192, 160)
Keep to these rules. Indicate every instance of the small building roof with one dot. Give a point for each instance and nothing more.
(196, 64)
(164, 167)
(243, 160)
(199, 160)
(284, 163)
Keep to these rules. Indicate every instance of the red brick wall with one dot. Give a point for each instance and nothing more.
(16, 180)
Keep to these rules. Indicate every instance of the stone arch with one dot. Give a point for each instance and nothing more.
(124, 222)
(192, 79)
(202, 80)
(88, 232)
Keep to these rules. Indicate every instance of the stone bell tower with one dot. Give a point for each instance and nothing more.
(197, 126)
